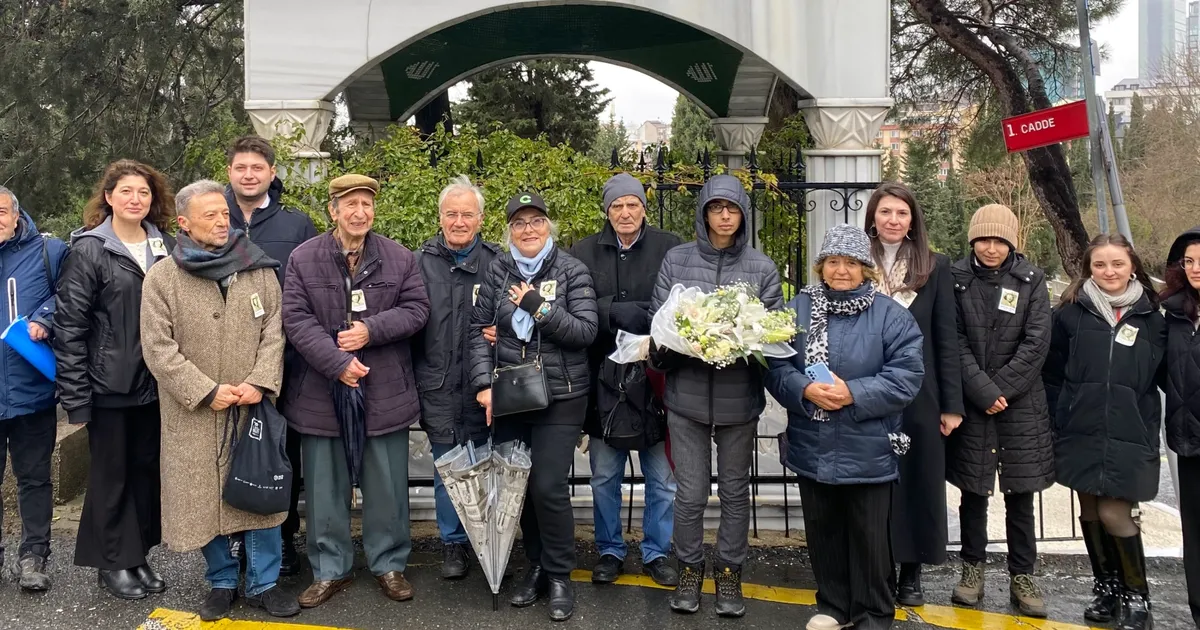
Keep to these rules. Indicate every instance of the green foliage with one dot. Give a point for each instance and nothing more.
(984, 145)
(555, 97)
(85, 83)
(612, 135)
(691, 132)
(1134, 146)
(946, 218)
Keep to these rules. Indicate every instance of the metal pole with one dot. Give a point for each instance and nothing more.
(1096, 121)
(1114, 181)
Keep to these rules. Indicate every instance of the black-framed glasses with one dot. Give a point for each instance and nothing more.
(718, 207)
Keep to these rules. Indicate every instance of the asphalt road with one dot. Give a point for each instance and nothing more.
(76, 602)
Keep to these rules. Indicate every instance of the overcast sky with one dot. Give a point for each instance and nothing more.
(638, 98)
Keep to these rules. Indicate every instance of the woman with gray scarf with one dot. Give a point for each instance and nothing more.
(1107, 348)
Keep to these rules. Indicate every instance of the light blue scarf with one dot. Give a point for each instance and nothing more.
(522, 322)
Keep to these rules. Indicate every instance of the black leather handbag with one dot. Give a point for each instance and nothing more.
(518, 388)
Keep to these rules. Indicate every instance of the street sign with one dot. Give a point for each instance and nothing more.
(1046, 126)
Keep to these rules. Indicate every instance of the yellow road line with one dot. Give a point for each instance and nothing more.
(164, 619)
(949, 617)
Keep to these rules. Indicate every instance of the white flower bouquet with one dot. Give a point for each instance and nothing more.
(718, 328)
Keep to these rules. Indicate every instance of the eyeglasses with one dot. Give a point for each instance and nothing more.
(717, 208)
(455, 216)
(1189, 263)
(520, 224)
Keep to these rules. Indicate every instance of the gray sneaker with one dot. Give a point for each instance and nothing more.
(31, 572)
(1026, 595)
(969, 591)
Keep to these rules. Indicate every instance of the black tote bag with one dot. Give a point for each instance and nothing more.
(260, 476)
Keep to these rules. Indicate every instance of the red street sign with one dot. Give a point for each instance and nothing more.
(1046, 126)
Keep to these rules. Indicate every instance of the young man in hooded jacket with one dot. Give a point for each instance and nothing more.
(706, 403)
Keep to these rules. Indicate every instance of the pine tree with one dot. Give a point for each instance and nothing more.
(558, 98)
(691, 131)
(612, 135)
(1134, 147)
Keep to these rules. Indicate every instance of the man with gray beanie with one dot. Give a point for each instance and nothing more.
(623, 258)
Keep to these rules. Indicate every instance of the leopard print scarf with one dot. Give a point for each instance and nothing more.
(816, 350)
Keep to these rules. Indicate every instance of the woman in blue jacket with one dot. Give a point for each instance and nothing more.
(844, 438)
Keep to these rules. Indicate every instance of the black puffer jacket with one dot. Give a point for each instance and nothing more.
(449, 413)
(1105, 401)
(1182, 380)
(1002, 355)
(97, 323)
(565, 332)
(624, 282)
(696, 390)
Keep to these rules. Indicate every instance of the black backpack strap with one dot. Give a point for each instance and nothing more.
(46, 261)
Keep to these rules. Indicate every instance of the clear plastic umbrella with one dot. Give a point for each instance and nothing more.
(487, 487)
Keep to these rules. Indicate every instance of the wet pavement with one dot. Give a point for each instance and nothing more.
(77, 603)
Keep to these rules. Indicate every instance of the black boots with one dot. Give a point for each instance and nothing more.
(532, 586)
(728, 579)
(454, 561)
(1135, 600)
(123, 584)
(686, 598)
(1106, 573)
(908, 591)
(151, 581)
(562, 598)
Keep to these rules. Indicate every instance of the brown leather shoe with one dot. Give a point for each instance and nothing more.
(395, 586)
(321, 592)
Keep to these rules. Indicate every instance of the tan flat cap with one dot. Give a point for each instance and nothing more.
(351, 182)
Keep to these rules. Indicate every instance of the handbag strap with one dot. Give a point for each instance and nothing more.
(229, 436)
(496, 321)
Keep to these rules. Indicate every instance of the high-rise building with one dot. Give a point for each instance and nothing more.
(1193, 27)
(1162, 35)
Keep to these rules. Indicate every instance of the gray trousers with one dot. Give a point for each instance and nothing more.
(386, 536)
(691, 450)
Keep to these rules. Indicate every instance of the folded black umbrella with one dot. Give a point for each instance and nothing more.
(351, 409)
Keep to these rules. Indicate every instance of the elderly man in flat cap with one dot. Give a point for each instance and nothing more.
(352, 299)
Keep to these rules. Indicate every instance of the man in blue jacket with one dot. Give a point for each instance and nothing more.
(255, 208)
(29, 264)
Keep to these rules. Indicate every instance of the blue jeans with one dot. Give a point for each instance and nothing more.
(449, 526)
(264, 548)
(658, 519)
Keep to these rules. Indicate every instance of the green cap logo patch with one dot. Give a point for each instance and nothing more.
(526, 199)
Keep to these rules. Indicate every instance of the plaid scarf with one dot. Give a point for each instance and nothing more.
(219, 265)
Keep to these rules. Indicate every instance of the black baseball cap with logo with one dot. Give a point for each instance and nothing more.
(526, 200)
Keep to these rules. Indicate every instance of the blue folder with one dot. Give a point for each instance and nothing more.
(37, 353)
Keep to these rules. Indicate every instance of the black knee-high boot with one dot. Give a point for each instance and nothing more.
(1135, 600)
(1106, 572)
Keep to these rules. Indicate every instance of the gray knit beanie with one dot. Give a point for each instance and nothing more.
(621, 185)
(847, 240)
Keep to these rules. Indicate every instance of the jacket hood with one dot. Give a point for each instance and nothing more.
(26, 230)
(274, 194)
(728, 188)
(1180, 244)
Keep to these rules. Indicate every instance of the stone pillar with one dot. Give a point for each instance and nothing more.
(735, 136)
(844, 132)
(306, 122)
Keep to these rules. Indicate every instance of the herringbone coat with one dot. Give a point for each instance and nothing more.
(193, 340)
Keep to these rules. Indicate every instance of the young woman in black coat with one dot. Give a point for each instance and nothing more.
(1107, 346)
(920, 281)
(1004, 334)
(1181, 301)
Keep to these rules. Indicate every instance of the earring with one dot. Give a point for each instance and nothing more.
(1133, 276)
(875, 230)
(908, 235)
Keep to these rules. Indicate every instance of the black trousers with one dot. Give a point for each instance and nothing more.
(848, 543)
(1189, 512)
(122, 512)
(547, 521)
(29, 439)
(1018, 529)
